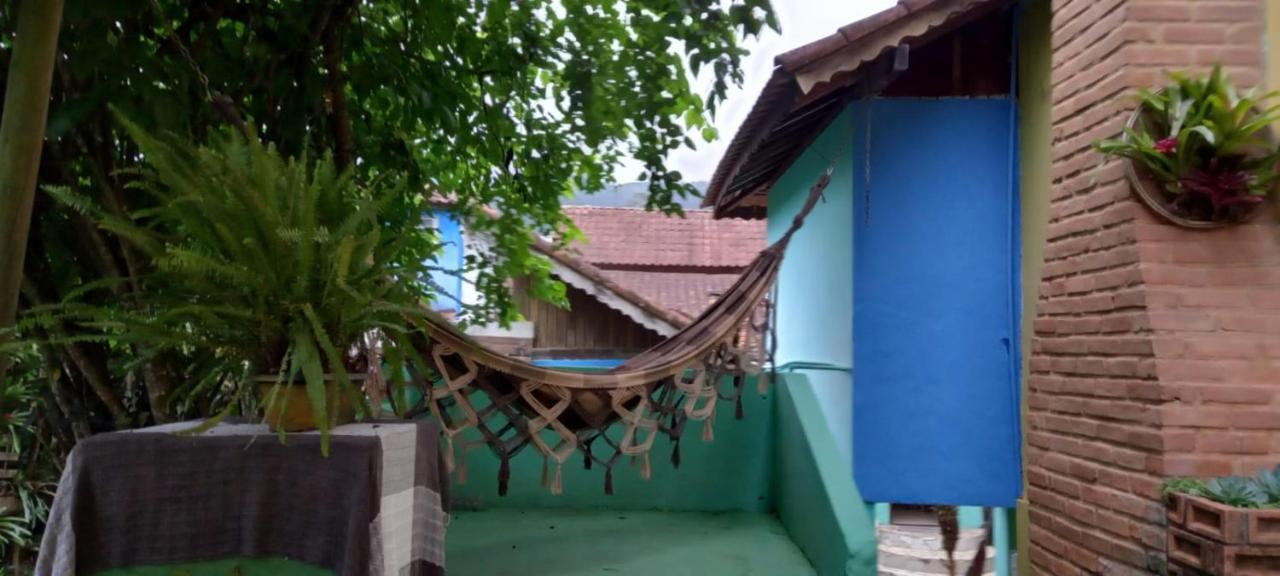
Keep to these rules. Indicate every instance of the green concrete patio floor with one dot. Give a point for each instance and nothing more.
(619, 543)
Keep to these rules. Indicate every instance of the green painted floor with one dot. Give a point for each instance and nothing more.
(619, 543)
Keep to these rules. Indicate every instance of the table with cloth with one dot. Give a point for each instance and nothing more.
(150, 498)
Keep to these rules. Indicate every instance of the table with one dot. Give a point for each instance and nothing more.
(378, 504)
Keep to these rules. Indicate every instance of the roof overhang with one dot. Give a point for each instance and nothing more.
(810, 87)
(581, 275)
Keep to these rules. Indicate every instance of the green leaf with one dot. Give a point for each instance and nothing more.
(1205, 133)
(308, 361)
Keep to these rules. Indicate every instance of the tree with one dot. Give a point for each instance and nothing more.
(508, 105)
(26, 106)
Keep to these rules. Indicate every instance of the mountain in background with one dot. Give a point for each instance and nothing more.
(630, 195)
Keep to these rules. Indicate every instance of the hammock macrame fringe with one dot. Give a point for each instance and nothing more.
(514, 405)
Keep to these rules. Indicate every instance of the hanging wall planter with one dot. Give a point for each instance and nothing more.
(1199, 153)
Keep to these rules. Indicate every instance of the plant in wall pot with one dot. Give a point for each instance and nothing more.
(1226, 525)
(280, 269)
(1199, 152)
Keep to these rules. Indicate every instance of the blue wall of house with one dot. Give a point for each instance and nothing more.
(816, 290)
(936, 406)
(815, 285)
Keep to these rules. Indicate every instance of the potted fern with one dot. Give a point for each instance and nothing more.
(280, 268)
(1223, 525)
(1199, 152)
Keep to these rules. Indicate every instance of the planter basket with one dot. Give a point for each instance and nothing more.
(1212, 538)
(1153, 194)
(296, 415)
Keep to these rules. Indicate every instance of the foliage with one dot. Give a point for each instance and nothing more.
(508, 105)
(1235, 491)
(13, 531)
(263, 264)
(1183, 485)
(1268, 483)
(1206, 143)
(1259, 491)
(36, 455)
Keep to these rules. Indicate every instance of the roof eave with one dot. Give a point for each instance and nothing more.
(814, 67)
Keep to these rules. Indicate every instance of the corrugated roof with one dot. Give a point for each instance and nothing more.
(630, 237)
(807, 91)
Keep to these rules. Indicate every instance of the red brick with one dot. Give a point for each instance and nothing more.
(1161, 12)
(1188, 465)
(1155, 348)
(1158, 54)
(1198, 33)
(1238, 395)
(1242, 11)
(1233, 443)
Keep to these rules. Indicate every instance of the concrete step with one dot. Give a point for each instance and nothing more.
(914, 551)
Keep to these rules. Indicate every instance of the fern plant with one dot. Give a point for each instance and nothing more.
(264, 264)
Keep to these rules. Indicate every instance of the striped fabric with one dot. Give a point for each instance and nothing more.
(377, 505)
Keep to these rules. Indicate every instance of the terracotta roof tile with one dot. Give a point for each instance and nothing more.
(632, 237)
(598, 278)
(684, 293)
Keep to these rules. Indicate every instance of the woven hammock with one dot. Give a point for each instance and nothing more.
(514, 405)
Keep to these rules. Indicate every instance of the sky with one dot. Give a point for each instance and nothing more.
(802, 21)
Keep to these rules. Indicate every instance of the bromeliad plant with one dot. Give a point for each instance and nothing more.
(1206, 146)
(267, 265)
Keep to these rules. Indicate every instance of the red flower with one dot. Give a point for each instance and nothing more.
(1167, 146)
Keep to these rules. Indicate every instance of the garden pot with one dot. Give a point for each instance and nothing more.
(1161, 201)
(295, 414)
(1213, 538)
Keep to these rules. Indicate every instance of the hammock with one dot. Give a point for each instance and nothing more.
(514, 404)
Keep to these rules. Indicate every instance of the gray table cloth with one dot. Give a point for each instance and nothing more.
(377, 505)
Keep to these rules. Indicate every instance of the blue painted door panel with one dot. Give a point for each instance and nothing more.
(935, 402)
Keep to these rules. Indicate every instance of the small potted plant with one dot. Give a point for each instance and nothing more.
(1224, 525)
(278, 268)
(1200, 153)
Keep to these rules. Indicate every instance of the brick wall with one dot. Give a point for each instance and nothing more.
(1156, 350)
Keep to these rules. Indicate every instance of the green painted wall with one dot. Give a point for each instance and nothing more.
(818, 503)
(815, 286)
(731, 473)
(1035, 124)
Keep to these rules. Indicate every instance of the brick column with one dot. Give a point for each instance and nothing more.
(1156, 349)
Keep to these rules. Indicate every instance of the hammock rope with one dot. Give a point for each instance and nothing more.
(513, 404)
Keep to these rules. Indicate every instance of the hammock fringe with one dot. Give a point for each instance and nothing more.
(512, 404)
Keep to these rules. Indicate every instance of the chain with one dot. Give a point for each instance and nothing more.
(182, 48)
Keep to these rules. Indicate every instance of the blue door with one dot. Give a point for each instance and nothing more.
(935, 397)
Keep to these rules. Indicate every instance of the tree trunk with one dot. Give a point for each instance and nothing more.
(344, 146)
(26, 109)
